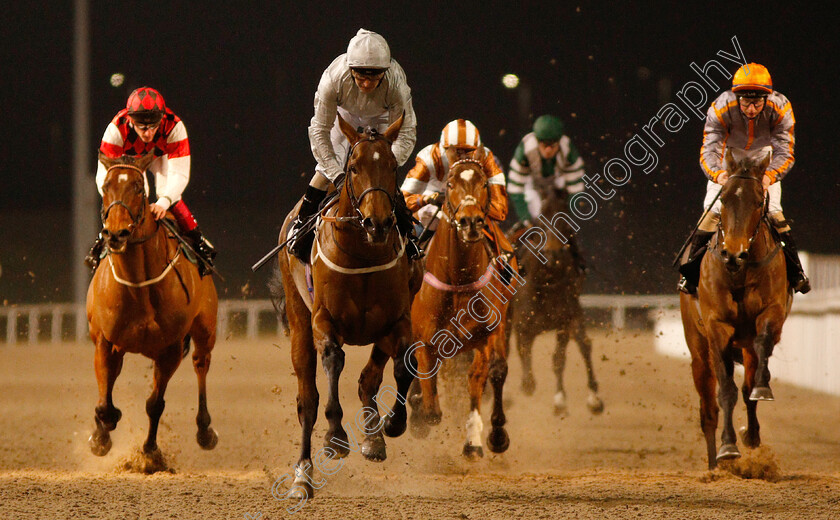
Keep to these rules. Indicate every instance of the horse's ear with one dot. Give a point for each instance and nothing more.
(394, 130)
(762, 167)
(731, 165)
(451, 155)
(107, 161)
(480, 153)
(349, 132)
(144, 160)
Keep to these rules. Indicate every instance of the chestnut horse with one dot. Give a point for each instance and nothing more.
(461, 306)
(741, 303)
(147, 300)
(550, 301)
(361, 282)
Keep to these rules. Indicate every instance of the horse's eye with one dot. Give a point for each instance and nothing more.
(449, 185)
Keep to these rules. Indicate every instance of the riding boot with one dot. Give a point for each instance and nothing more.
(203, 248)
(301, 246)
(405, 225)
(690, 269)
(796, 275)
(95, 254)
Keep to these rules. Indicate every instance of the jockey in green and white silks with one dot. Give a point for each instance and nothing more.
(544, 157)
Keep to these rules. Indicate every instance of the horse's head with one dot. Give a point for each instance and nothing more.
(371, 178)
(742, 206)
(467, 197)
(124, 199)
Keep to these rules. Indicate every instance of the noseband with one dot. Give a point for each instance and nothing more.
(135, 219)
(764, 212)
(467, 200)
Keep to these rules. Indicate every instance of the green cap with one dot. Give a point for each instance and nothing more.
(548, 128)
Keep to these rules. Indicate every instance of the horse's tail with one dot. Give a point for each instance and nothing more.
(278, 298)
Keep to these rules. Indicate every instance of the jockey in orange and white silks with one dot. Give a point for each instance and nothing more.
(425, 184)
(147, 125)
(369, 89)
(751, 117)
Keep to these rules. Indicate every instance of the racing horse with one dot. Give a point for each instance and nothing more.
(461, 307)
(148, 299)
(737, 315)
(361, 293)
(550, 301)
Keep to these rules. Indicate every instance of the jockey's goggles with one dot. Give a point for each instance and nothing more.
(751, 99)
(370, 74)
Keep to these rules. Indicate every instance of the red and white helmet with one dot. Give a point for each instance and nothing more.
(146, 105)
(460, 133)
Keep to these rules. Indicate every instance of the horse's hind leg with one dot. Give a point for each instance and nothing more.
(524, 345)
(373, 447)
(108, 363)
(704, 382)
(750, 434)
(593, 402)
(165, 366)
(479, 371)
(204, 338)
(498, 440)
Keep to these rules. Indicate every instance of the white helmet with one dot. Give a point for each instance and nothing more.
(368, 50)
(460, 133)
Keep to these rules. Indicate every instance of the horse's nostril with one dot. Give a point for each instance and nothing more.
(462, 221)
(124, 233)
(106, 233)
(479, 222)
(367, 223)
(743, 256)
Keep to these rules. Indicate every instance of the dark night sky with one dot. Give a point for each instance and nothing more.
(242, 76)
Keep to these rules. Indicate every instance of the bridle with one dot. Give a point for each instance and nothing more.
(764, 213)
(468, 200)
(135, 219)
(358, 217)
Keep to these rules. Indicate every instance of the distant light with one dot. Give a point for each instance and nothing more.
(510, 80)
(117, 79)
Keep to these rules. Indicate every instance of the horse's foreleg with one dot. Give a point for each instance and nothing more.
(332, 358)
(428, 412)
(498, 440)
(750, 435)
(593, 402)
(477, 377)
(704, 382)
(165, 366)
(524, 346)
(769, 330)
(368, 419)
(108, 363)
(559, 361)
(204, 338)
(727, 397)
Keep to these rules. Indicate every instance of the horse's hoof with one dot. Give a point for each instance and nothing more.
(761, 393)
(529, 386)
(473, 453)
(561, 411)
(498, 441)
(415, 400)
(301, 491)
(727, 452)
(208, 438)
(394, 427)
(595, 404)
(560, 408)
(750, 440)
(332, 442)
(100, 445)
(373, 449)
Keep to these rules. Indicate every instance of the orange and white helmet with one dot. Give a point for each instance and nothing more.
(753, 77)
(460, 133)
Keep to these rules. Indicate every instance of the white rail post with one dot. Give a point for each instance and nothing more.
(11, 326)
(618, 318)
(55, 325)
(32, 333)
(253, 313)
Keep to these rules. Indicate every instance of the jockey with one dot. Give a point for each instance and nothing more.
(369, 89)
(146, 124)
(425, 184)
(543, 157)
(750, 116)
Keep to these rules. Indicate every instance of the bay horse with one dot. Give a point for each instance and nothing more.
(737, 315)
(550, 301)
(148, 299)
(461, 307)
(361, 283)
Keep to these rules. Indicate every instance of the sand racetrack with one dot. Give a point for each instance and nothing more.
(643, 458)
